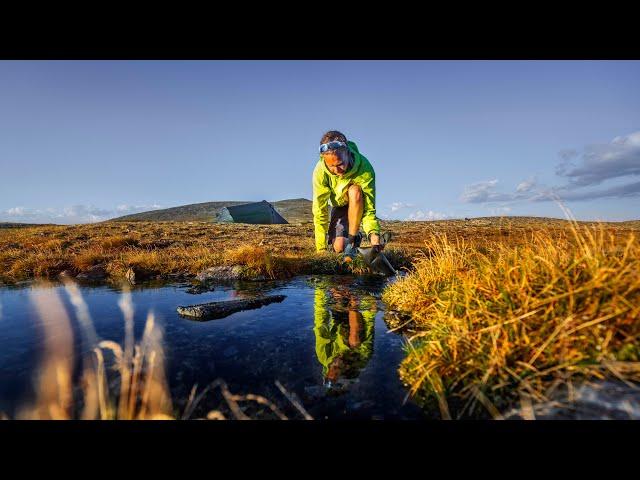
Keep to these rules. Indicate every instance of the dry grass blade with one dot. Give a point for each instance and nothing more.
(191, 404)
(262, 401)
(526, 407)
(53, 387)
(103, 389)
(115, 348)
(215, 415)
(126, 305)
(296, 403)
(190, 399)
(82, 311)
(491, 408)
(231, 401)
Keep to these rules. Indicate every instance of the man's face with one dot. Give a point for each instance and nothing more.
(334, 163)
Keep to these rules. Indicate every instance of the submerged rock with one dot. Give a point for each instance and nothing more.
(138, 274)
(178, 276)
(601, 400)
(95, 273)
(208, 311)
(65, 274)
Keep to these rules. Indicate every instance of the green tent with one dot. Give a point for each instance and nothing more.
(259, 212)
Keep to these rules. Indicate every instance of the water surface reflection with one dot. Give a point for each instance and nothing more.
(326, 343)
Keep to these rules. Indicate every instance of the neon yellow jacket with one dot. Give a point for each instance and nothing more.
(328, 187)
(331, 334)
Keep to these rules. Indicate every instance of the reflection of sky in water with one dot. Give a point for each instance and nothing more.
(326, 342)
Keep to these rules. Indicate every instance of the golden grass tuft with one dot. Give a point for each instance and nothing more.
(116, 242)
(43, 264)
(499, 319)
(260, 262)
(87, 259)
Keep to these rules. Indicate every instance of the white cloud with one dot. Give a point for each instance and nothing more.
(526, 185)
(500, 211)
(19, 212)
(478, 192)
(484, 192)
(395, 206)
(128, 209)
(572, 194)
(430, 215)
(619, 158)
(70, 215)
(85, 214)
(16, 211)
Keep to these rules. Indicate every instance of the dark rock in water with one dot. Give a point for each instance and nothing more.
(225, 273)
(599, 400)
(65, 274)
(197, 289)
(95, 273)
(220, 273)
(134, 274)
(178, 276)
(208, 311)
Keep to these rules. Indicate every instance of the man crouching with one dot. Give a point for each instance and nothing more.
(344, 178)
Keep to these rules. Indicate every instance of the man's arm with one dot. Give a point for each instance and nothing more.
(370, 223)
(321, 194)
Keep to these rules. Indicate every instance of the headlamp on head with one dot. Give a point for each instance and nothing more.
(332, 145)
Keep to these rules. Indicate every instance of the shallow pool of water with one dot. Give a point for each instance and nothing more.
(326, 343)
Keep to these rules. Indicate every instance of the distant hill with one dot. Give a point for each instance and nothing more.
(297, 210)
(23, 225)
(631, 224)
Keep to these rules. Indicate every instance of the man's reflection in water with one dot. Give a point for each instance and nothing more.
(343, 326)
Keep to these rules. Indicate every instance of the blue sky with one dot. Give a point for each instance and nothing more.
(88, 140)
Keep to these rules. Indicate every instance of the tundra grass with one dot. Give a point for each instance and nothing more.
(166, 249)
(497, 321)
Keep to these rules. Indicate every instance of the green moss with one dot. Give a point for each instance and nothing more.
(629, 353)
